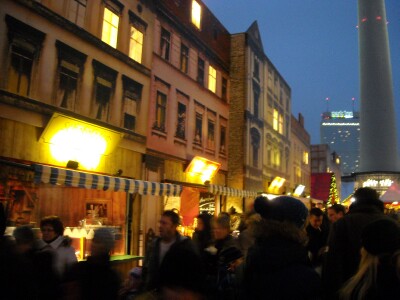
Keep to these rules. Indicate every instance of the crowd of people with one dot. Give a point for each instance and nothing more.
(284, 251)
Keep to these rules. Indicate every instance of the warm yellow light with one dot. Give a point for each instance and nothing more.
(299, 190)
(212, 79)
(110, 28)
(202, 167)
(276, 184)
(196, 14)
(73, 139)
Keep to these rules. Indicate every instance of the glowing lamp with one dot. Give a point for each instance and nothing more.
(73, 140)
(299, 190)
(276, 184)
(203, 168)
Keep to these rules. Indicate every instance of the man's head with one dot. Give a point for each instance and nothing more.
(366, 196)
(336, 212)
(168, 223)
(316, 217)
(222, 227)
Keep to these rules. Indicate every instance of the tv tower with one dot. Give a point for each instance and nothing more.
(378, 138)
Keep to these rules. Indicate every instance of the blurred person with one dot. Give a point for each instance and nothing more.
(277, 265)
(246, 229)
(52, 230)
(336, 212)
(132, 285)
(94, 278)
(317, 237)
(378, 275)
(344, 242)
(202, 236)
(163, 252)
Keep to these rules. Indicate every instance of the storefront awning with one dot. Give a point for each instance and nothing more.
(67, 177)
(227, 191)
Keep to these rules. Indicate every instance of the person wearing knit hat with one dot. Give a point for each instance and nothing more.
(277, 265)
(282, 208)
(378, 274)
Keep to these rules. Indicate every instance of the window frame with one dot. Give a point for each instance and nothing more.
(196, 13)
(212, 79)
(110, 38)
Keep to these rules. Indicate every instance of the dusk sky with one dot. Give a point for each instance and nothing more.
(314, 45)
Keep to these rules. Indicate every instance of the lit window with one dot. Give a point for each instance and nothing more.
(136, 45)
(280, 128)
(77, 11)
(196, 14)
(305, 157)
(110, 28)
(212, 79)
(275, 120)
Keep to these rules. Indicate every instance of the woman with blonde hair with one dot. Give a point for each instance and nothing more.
(378, 275)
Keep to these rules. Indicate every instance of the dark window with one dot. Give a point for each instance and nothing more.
(165, 43)
(77, 11)
(68, 85)
(256, 103)
(184, 58)
(103, 97)
(256, 71)
(222, 140)
(211, 134)
(19, 77)
(161, 110)
(129, 121)
(181, 124)
(224, 92)
(200, 71)
(198, 129)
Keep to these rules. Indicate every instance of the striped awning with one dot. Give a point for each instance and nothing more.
(68, 177)
(227, 191)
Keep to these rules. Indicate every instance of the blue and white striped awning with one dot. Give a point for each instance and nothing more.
(68, 177)
(227, 191)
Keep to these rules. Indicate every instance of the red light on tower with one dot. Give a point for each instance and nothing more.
(379, 18)
(364, 20)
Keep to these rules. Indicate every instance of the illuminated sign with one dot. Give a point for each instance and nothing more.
(73, 139)
(342, 114)
(340, 124)
(377, 183)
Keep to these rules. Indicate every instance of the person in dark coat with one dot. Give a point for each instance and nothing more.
(277, 265)
(378, 276)
(317, 236)
(161, 260)
(344, 242)
(94, 278)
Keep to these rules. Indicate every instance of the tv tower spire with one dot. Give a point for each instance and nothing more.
(378, 138)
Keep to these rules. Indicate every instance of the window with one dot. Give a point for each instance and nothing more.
(212, 79)
(211, 134)
(184, 58)
(161, 111)
(196, 14)
(19, 76)
(200, 71)
(222, 139)
(110, 28)
(198, 129)
(255, 144)
(181, 122)
(280, 127)
(224, 90)
(305, 157)
(129, 122)
(275, 125)
(103, 90)
(256, 100)
(77, 11)
(165, 44)
(70, 66)
(136, 44)
(132, 95)
(256, 71)
(25, 43)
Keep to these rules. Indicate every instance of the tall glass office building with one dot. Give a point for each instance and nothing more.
(341, 131)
